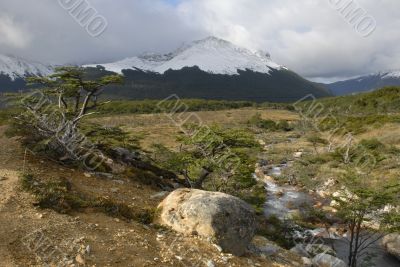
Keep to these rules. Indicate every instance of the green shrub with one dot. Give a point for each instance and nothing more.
(270, 125)
(121, 210)
(59, 196)
(56, 194)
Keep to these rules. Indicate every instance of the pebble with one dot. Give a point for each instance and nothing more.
(159, 195)
(88, 249)
(217, 247)
(79, 259)
(114, 190)
(179, 258)
(210, 263)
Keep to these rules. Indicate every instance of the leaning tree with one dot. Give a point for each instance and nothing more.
(53, 112)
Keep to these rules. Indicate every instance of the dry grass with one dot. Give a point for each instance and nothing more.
(389, 134)
(160, 128)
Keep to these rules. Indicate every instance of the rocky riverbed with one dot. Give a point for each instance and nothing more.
(283, 201)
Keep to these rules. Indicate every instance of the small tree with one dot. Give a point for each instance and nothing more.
(55, 111)
(315, 140)
(224, 159)
(369, 213)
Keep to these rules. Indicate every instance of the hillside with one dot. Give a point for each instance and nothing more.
(112, 212)
(101, 236)
(365, 83)
(382, 101)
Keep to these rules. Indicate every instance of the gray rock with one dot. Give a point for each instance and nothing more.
(262, 246)
(326, 260)
(306, 262)
(227, 220)
(311, 250)
(125, 155)
(391, 243)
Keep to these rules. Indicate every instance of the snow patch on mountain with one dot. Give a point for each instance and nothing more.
(391, 74)
(212, 55)
(19, 68)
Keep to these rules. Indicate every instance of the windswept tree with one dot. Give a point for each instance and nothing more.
(316, 140)
(53, 113)
(213, 158)
(75, 95)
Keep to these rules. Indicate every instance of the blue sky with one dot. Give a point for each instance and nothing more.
(173, 2)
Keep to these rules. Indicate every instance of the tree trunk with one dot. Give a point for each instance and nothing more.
(203, 176)
(77, 102)
(351, 228)
(357, 242)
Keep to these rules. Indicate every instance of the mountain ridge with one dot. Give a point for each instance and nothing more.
(210, 68)
(211, 55)
(16, 67)
(364, 83)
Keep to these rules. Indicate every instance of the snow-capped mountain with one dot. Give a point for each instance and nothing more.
(15, 68)
(211, 55)
(366, 83)
(211, 68)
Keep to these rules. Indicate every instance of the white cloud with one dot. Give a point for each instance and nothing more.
(308, 36)
(12, 35)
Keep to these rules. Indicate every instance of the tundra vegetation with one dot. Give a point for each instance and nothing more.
(353, 142)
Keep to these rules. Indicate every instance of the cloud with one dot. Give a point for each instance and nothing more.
(309, 36)
(12, 35)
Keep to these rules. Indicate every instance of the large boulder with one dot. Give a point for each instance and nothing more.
(392, 244)
(228, 221)
(326, 260)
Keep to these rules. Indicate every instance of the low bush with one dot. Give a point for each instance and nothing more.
(58, 195)
(270, 125)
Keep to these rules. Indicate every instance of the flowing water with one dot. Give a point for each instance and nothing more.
(283, 201)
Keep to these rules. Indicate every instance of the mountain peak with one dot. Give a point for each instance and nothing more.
(16, 67)
(212, 55)
(390, 74)
(212, 40)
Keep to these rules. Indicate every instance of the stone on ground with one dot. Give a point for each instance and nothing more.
(226, 220)
(326, 260)
(391, 243)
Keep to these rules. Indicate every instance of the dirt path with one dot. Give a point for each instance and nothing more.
(10, 163)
